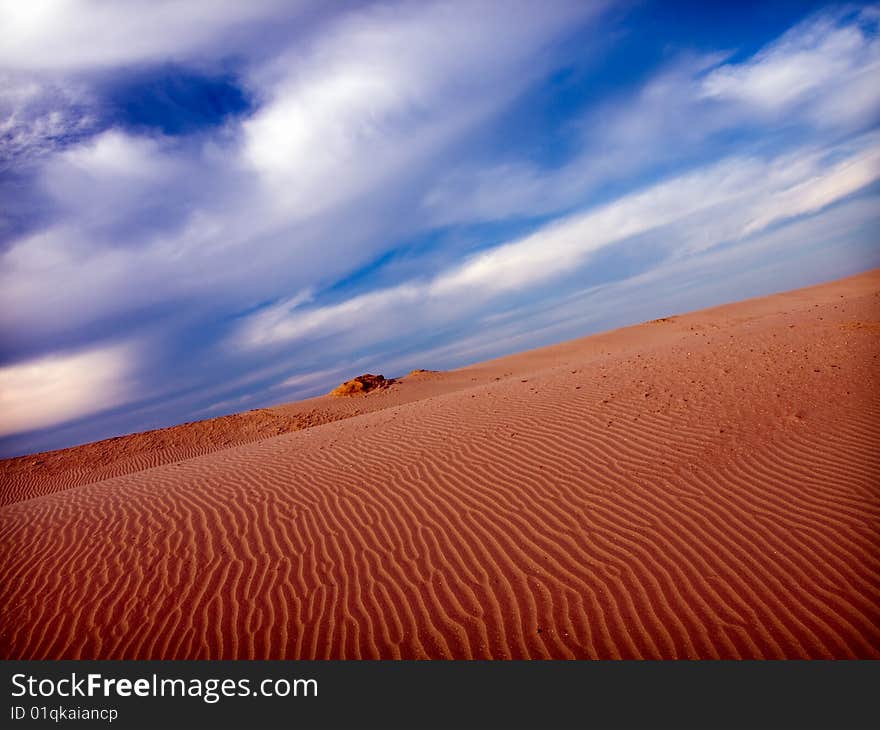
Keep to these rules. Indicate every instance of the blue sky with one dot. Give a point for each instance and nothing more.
(207, 207)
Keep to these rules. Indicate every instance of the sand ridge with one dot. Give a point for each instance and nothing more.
(700, 486)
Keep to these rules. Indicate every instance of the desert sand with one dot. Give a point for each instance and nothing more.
(706, 485)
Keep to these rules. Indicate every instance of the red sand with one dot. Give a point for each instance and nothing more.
(703, 486)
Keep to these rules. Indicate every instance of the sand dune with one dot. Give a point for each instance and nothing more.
(700, 486)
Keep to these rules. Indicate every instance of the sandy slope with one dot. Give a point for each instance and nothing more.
(705, 486)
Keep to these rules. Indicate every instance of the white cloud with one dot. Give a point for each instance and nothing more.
(69, 35)
(36, 116)
(698, 210)
(60, 387)
(282, 323)
(562, 246)
(59, 280)
(729, 193)
(116, 156)
(819, 78)
(347, 121)
(807, 65)
(305, 380)
(818, 192)
(386, 87)
(109, 177)
(56, 54)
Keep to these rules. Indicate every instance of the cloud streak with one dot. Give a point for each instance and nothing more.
(817, 80)
(726, 202)
(54, 389)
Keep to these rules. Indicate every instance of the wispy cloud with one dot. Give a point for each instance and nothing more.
(378, 95)
(387, 86)
(817, 80)
(72, 35)
(57, 388)
(827, 65)
(700, 210)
